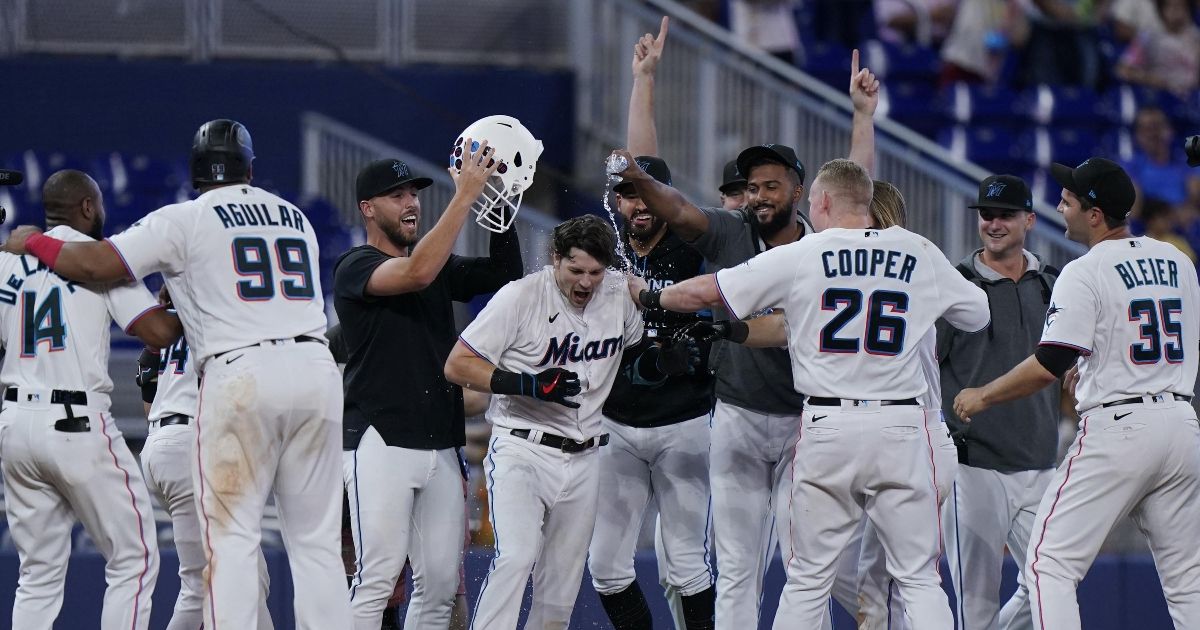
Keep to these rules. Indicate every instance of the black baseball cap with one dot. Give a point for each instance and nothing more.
(1102, 182)
(655, 166)
(731, 177)
(1004, 192)
(382, 176)
(782, 154)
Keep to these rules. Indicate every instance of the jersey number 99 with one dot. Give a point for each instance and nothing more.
(252, 258)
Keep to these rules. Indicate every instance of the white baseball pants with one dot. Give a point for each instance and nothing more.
(543, 511)
(52, 477)
(404, 504)
(988, 510)
(669, 467)
(852, 458)
(270, 420)
(1140, 459)
(748, 462)
(880, 606)
(167, 464)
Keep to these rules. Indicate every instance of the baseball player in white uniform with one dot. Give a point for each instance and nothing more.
(857, 302)
(62, 455)
(170, 391)
(549, 346)
(1126, 314)
(240, 263)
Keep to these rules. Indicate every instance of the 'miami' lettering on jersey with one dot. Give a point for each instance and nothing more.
(568, 349)
(1148, 271)
(869, 262)
(8, 293)
(243, 214)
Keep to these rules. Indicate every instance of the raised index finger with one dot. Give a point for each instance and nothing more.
(854, 63)
(662, 31)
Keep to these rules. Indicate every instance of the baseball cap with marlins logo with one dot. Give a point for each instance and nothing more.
(1103, 183)
(1003, 192)
(382, 176)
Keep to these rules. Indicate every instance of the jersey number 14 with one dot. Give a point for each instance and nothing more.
(42, 322)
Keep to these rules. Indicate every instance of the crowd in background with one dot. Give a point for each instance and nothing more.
(1152, 46)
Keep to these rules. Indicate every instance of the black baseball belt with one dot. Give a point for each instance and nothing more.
(173, 419)
(1140, 399)
(838, 402)
(566, 445)
(64, 397)
(267, 342)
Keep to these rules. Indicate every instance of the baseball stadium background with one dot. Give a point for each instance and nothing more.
(117, 87)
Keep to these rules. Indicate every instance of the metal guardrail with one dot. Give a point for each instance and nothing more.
(716, 95)
(333, 153)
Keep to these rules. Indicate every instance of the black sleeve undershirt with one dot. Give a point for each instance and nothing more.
(1056, 359)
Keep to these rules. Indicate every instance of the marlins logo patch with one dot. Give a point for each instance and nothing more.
(1051, 315)
(995, 189)
(400, 168)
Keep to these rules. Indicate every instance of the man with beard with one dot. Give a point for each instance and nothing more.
(403, 420)
(757, 413)
(63, 456)
(658, 454)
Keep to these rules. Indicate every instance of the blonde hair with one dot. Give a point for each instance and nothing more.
(887, 206)
(845, 178)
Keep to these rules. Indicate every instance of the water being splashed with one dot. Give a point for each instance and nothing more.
(615, 163)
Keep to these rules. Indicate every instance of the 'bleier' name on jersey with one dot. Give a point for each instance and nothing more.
(251, 214)
(8, 293)
(1147, 272)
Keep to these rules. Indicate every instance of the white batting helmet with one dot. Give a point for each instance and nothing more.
(518, 152)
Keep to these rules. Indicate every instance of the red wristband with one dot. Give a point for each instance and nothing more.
(45, 248)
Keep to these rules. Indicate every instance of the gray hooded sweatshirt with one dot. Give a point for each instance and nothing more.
(1017, 435)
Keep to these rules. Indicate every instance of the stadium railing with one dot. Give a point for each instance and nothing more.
(716, 95)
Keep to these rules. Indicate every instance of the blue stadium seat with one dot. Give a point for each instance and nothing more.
(908, 103)
(905, 62)
(1051, 104)
(828, 62)
(980, 103)
(995, 148)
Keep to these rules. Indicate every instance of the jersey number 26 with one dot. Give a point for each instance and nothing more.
(884, 333)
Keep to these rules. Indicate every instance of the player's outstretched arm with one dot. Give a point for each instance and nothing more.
(87, 262)
(664, 202)
(642, 135)
(470, 371)
(157, 328)
(1028, 377)
(689, 296)
(405, 274)
(769, 331)
(864, 94)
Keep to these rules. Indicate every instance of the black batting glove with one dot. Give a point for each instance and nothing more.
(678, 356)
(708, 332)
(552, 385)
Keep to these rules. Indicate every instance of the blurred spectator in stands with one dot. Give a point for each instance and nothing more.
(983, 33)
(768, 24)
(1158, 167)
(1168, 59)
(1064, 42)
(1159, 219)
(846, 22)
(924, 22)
(1130, 17)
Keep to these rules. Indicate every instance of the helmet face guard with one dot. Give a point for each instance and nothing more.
(518, 151)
